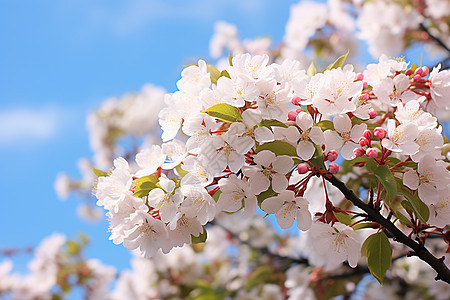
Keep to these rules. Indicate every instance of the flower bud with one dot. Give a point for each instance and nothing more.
(425, 71)
(333, 168)
(359, 152)
(365, 97)
(418, 71)
(408, 72)
(380, 132)
(292, 115)
(365, 85)
(302, 168)
(299, 110)
(359, 77)
(417, 77)
(332, 155)
(372, 152)
(296, 100)
(363, 142)
(368, 135)
(372, 113)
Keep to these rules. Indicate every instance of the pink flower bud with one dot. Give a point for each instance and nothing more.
(359, 77)
(359, 152)
(333, 168)
(417, 77)
(365, 85)
(408, 72)
(296, 100)
(380, 132)
(363, 142)
(332, 155)
(372, 152)
(418, 71)
(292, 115)
(372, 113)
(425, 71)
(365, 97)
(302, 168)
(368, 135)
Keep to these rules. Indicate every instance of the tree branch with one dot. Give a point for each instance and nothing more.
(443, 273)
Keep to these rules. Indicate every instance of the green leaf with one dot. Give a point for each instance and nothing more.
(343, 218)
(378, 251)
(338, 63)
(213, 72)
(99, 173)
(403, 220)
(216, 195)
(363, 225)
(325, 124)
(224, 112)
(317, 159)
(199, 239)
(225, 73)
(181, 171)
(145, 185)
(278, 147)
(312, 70)
(420, 209)
(387, 180)
(271, 122)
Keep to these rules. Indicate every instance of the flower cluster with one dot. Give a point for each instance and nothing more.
(259, 134)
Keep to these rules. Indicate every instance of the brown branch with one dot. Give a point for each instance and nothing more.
(443, 273)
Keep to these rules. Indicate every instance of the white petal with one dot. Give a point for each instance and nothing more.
(263, 135)
(304, 220)
(332, 140)
(279, 182)
(316, 135)
(305, 150)
(264, 158)
(286, 215)
(304, 121)
(282, 164)
(342, 123)
(411, 179)
(259, 183)
(272, 205)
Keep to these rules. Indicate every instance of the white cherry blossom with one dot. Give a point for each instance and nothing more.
(346, 136)
(430, 177)
(338, 87)
(165, 199)
(305, 148)
(287, 208)
(149, 160)
(330, 246)
(401, 138)
(269, 169)
(147, 234)
(394, 91)
(235, 195)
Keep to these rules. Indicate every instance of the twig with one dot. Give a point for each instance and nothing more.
(443, 273)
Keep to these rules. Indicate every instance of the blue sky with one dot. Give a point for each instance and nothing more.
(61, 59)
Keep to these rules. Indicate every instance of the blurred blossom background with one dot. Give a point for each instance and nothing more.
(59, 60)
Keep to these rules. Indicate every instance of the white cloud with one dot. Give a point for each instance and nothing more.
(22, 124)
(126, 17)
